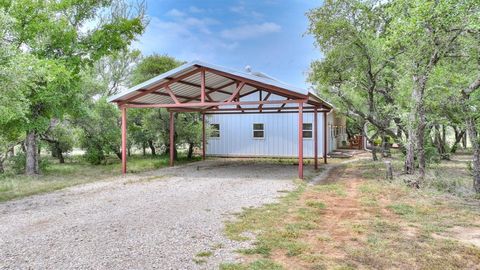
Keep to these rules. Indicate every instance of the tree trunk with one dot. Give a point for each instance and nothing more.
(374, 153)
(475, 141)
(464, 140)
(31, 164)
(421, 142)
(2, 170)
(144, 149)
(389, 172)
(386, 152)
(59, 154)
(459, 135)
(190, 151)
(444, 136)
(152, 147)
(440, 142)
(409, 166)
(418, 123)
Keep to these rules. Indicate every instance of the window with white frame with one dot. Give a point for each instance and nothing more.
(215, 131)
(307, 130)
(258, 131)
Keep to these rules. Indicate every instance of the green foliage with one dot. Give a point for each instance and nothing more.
(402, 68)
(152, 66)
(113, 72)
(357, 71)
(101, 131)
(94, 155)
(41, 82)
(16, 164)
(61, 138)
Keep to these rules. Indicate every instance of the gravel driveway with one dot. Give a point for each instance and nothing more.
(155, 220)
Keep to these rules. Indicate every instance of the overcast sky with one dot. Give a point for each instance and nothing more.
(268, 35)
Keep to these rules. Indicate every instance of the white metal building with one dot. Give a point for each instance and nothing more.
(266, 135)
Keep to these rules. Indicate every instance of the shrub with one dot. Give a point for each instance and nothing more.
(17, 163)
(94, 156)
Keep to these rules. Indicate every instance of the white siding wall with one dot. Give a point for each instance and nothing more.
(281, 135)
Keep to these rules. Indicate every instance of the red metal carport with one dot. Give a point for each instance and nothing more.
(209, 89)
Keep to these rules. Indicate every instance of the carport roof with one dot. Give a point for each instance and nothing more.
(185, 82)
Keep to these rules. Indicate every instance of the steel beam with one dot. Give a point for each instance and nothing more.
(300, 140)
(325, 134)
(315, 136)
(212, 104)
(172, 139)
(204, 144)
(124, 140)
(202, 86)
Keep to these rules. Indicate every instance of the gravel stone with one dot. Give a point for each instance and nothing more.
(155, 220)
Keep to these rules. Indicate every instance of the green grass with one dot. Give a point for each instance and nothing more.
(199, 261)
(204, 254)
(402, 209)
(335, 188)
(262, 264)
(315, 204)
(76, 171)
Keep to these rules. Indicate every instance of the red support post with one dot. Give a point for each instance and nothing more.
(124, 140)
(172, 139)
(315, 135)
(202, 86)
(300, 140)
(325, 134)
(203, 136)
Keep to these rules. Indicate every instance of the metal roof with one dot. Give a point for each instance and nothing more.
(223, 82)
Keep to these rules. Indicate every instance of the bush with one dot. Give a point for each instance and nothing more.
(17, 163)
(431, 154)
(94, 156)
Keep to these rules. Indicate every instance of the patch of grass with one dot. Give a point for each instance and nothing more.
(262, 219)
(199, 261)
(312, 258)
(369, 201)
(402, 209)
(204, 254)
(146, 179)
(262, 264)
(308, 214)
(359, 228)
(335, 188)
(315, 204)
(217, 246)
(76, 171)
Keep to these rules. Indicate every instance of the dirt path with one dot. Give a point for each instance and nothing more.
(159, 220)
(342, 205)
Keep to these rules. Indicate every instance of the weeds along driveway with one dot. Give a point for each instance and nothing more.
(166, 219)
